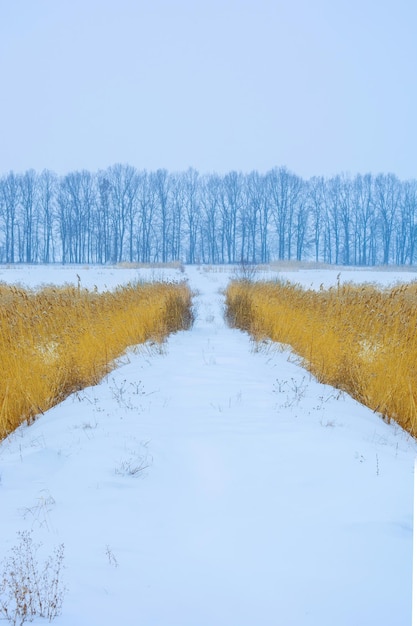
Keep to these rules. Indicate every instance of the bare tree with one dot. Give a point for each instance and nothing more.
(231, 201)
(365, 219)
(28, 219)
(148, 202)
(406, 228)
(124, 182)
(10, 201)
(192, 212)
(209, 225)
(48, 185)
(76, 198)
(162, 182)
(284, 192)
(386, 200)
(316, 200)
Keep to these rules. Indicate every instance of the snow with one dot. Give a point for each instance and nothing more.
(215, 482)
(315, 278)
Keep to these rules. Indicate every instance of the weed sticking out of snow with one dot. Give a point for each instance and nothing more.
(111, 557)
(29, 588)
(293, 390)
(39, 513)
(135, 462)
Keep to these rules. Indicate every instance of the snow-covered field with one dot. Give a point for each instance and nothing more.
(214, 483)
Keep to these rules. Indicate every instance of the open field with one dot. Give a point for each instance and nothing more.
(61, 339)
(360, 339)
(215, 481)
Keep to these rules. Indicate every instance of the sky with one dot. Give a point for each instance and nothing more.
(319, 86)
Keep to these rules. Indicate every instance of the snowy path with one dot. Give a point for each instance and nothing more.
(269, 499)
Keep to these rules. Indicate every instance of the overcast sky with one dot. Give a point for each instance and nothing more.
(320, 86)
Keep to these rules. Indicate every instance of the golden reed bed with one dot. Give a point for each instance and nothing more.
(357, 338)
(61, 339)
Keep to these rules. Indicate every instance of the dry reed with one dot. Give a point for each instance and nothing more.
(357, 338)
(61, 339)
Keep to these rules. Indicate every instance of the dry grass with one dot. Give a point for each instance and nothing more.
(294, 266)
(174, 265)
(357, 338)
(58, 340)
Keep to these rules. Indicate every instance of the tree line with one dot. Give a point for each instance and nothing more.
(123, 214)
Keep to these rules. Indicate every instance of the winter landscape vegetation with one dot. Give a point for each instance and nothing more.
(211, 477)
(124, 214)
(208, 256)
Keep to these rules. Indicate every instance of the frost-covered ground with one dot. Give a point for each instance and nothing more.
(214, 484)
